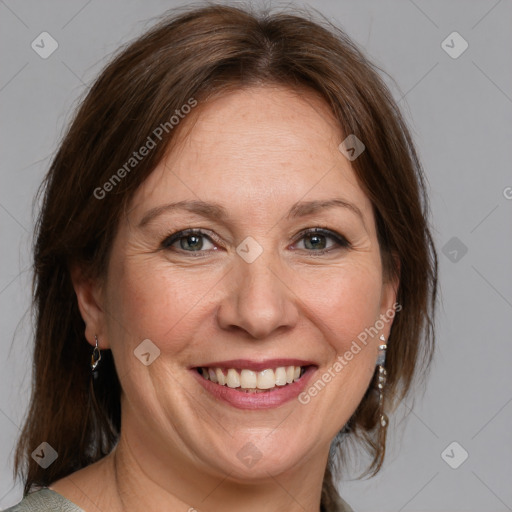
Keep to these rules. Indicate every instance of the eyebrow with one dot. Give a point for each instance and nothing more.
(208, 210)
(301, 209)
(215, 211)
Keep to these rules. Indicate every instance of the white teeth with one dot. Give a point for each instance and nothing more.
(280, 375)
(251, 380)
(248, 379)
(233, 379)
(220, 376)
(266, 379)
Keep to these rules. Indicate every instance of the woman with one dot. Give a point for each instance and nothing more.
(233, 274)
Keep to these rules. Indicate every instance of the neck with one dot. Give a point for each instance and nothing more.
(144, 481)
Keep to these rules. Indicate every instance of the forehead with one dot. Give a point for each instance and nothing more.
(255, 148)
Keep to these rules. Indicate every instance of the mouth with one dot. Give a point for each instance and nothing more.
(250, 381)
(255, 385)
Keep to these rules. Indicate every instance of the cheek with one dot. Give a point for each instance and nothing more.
(344, 303)
(151, 299)
(345, 310)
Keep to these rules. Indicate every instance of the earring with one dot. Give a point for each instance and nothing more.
(96, 356)
(381, 359)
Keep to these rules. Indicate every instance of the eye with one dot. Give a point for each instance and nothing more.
(320, 240)
(315, 240)
(189, 240)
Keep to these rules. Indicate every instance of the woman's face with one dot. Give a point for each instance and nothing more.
(254, 288)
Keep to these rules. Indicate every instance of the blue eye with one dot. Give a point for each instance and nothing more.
(321, 240)
(189, 240)
(317, 241)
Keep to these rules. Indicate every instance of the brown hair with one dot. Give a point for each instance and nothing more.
(196, 53)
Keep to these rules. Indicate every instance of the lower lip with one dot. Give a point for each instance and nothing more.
(242, 400)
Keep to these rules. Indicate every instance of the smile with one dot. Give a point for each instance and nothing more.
(250, 381)
(245, 384)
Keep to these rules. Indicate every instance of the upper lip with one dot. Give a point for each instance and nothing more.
(256, 366)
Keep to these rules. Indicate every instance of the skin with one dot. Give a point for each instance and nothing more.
(256, 152)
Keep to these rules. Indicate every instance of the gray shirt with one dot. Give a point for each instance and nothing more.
(44, 500)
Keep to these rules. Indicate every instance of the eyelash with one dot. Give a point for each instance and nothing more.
(340, 241)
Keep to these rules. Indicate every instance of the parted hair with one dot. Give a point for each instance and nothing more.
(197, 52)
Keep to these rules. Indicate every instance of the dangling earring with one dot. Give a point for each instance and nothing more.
(96, 357)
(381, 359)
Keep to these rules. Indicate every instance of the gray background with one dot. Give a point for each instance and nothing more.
(460, 113)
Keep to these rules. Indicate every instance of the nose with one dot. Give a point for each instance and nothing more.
(258, 302)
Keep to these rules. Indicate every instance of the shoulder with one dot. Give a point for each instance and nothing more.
(44, 500)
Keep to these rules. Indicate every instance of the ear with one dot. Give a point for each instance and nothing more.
(89, 294)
